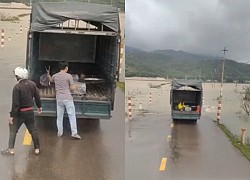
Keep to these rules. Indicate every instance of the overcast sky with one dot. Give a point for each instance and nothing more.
(195, 26)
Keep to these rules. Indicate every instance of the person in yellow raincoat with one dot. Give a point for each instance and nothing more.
(181, 106)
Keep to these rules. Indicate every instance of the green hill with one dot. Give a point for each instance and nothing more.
(180, 64)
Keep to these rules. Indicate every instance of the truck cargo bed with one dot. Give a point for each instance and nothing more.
(94, 92)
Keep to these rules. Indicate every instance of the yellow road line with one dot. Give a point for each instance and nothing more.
(163, 164)
(27, 138)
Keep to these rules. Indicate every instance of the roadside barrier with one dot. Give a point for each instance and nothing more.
(150, 98)
(219, 109)
(21, 29)
(243, 136)
(2, 38)
(121, 55)
(129, 108)
(129, 116)
(140, 107)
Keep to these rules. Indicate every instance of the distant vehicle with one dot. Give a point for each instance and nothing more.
(87, 36)
(189, 91)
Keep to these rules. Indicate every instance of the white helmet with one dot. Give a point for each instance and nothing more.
(21, 72)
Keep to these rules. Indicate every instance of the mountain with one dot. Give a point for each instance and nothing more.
(180, 64)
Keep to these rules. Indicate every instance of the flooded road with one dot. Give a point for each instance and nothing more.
(231, 116)
(190, 150)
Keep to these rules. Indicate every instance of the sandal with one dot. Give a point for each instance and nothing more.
(7, 152)
(37, 151)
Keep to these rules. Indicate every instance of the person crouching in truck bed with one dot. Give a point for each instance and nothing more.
(181, 106)
(22, 110)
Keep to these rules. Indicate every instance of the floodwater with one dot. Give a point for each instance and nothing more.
(231, 116)
(15, 38)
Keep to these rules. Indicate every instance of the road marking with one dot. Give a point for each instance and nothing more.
(163, 164)
(27, 138)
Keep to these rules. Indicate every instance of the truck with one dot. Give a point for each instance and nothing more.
(87, 36)
(190, 92)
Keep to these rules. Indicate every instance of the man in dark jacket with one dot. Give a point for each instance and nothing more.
(22, 110)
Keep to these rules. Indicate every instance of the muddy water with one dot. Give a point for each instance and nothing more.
(230, 116)
(14, 51)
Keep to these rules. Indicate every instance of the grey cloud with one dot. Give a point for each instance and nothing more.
(202, 27)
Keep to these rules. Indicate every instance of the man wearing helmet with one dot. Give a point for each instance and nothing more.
(22, 110)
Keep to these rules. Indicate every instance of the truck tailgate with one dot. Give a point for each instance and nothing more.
(84, 108)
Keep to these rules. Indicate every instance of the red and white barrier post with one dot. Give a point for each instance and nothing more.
(2, 38)
(129, 109)
(150, 98)
(243, 136)
(219, 109)
(129, 116)
(140, 108)
(121, 55)
(21, 29)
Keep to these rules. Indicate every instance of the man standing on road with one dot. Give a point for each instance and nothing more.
(22, 110)
(63, 84)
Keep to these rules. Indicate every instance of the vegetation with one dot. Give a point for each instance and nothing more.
(244, 149)
(179, 64)
(23, 15)
(121, 85)
(245, 101)
(4, 17)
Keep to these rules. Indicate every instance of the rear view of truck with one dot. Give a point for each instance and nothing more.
(85, 35)
(189, 92)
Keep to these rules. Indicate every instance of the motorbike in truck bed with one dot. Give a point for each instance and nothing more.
(85, 35)
(189, 91)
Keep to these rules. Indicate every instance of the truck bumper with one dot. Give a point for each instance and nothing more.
(186, 115)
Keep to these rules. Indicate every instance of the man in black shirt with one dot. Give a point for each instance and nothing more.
(22, 110)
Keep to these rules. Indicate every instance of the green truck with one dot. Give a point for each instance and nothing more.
(187, 91)
(87, 36)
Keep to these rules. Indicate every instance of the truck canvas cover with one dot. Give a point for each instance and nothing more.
(183, 84)
(48, 14)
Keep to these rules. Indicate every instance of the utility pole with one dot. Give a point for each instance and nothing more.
(222, 78)
(222, 72)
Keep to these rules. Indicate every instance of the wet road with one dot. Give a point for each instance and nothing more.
(159, 149)
(100, 155)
